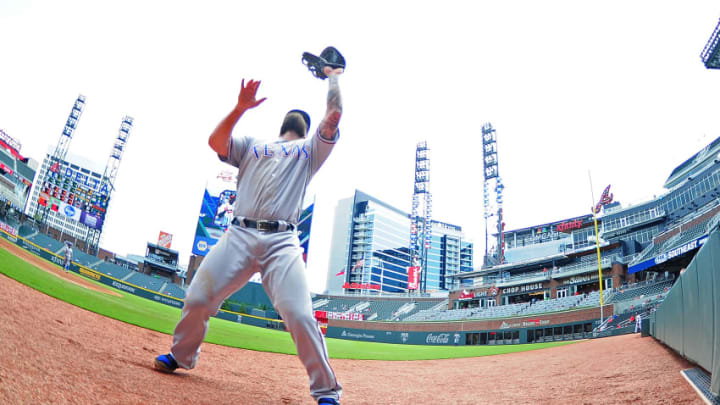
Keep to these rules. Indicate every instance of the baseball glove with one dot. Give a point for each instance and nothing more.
(329, 57)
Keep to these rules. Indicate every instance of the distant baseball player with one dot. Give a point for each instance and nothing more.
(272, 177)
(68, 254)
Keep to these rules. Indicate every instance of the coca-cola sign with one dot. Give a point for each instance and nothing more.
(439, 339)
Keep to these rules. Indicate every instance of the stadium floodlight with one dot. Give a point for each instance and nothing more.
(710, 54)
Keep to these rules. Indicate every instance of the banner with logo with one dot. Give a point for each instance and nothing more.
(361, 286)
(217, 213)
(90, 220)
(69, 211)
(413, 277)
(165, 239)
(466, 295)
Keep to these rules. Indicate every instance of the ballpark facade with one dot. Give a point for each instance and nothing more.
(653, 240)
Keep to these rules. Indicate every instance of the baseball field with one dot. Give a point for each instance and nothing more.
(67, 339)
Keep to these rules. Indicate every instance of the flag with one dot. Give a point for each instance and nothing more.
(341, 272)
(358, 264)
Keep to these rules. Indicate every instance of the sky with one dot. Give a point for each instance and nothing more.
(613, 88)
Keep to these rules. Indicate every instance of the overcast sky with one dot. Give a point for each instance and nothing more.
(613, 87)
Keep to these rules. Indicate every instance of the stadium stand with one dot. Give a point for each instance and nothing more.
(27, 231)
(174, 290)
(554, 305)
(647, 290)
(147, 282)
(83, 258)
(593, 299)
(46, 242)
(113, 270)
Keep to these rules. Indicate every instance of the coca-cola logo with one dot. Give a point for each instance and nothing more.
(441, 338)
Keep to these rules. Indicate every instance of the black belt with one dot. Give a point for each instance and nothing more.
(264, 226)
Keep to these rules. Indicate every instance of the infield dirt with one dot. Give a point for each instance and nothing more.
(53, 352)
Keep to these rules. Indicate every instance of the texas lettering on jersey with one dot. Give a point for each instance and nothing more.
(282, 149)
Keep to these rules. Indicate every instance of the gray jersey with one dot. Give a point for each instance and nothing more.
(272, 176)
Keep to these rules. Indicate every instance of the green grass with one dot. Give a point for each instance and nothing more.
(162, 318)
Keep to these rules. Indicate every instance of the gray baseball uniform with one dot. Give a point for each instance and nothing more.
(272, 177)
(68, 257)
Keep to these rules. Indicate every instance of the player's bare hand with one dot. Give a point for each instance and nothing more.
(332, 72)
(247, 98)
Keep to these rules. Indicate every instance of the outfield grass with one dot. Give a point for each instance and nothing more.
(162, 318)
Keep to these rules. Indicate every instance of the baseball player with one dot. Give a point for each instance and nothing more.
(272, 177)
(68, 253)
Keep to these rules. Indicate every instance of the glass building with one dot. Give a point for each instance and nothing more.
(370, 250)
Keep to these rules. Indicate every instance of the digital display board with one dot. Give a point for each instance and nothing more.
(216, 214)
(76, 193)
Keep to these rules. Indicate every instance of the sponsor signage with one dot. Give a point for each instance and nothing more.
(413, 277)
(165, 239)
(69, 211)
(8, 229)
(361, 286)
(352, 316)
(357, 335)
(10, 141)
(523, 288)
(437, 339)
(662, 258)
(570, 225)
(90, 220)
(581, 279)
(93, 275)
(466, 295)
(525, 324)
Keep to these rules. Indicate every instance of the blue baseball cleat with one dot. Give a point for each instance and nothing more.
(328, 401)
(165, 363)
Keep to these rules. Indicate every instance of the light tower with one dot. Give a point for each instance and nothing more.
(421, 227)
(107, 184)
(492, 198)
(63, 145)
(710, 54)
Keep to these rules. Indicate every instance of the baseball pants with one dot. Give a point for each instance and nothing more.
(240, 253)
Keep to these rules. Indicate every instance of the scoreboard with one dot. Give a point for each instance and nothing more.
(76, 193)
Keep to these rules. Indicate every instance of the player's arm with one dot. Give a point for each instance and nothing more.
(219, 140)
(329, 125)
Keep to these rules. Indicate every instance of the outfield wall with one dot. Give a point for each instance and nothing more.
(688, 320)
(567, 325)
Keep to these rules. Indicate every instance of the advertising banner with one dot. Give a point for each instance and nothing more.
(361, 286)
(303, 231)
(8, 229)
(165, 239)
(413, 277)
(91, 220)
(466, 295)
(70, 211)
(216, 215)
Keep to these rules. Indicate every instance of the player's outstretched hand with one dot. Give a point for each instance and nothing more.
(332, 72)
(247, 98)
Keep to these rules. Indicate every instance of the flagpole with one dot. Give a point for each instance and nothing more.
(597, 244)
